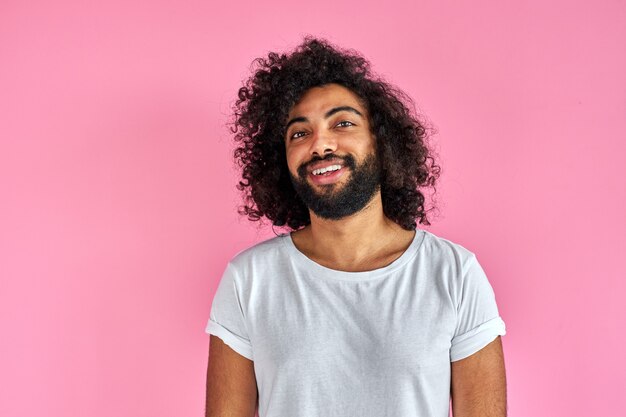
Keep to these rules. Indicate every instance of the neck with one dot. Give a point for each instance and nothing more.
(355, 239)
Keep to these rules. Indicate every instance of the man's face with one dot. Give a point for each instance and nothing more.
(329, 129)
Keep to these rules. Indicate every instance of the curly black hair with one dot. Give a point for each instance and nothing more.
(260, 115)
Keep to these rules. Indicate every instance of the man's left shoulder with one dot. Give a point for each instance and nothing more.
(444, 250)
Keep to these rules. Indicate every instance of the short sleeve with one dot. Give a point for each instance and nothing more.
(478, 320)
(226, 319)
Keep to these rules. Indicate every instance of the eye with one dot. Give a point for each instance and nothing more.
(341, 124)
(295, 135)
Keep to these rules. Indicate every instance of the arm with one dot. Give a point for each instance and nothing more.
(231, 384)
(478, 384)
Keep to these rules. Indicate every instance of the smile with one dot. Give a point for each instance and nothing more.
(323, 171)
(327, 175)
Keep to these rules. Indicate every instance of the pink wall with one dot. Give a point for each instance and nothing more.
(117, 199)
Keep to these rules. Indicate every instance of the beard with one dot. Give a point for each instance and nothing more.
(336, 201)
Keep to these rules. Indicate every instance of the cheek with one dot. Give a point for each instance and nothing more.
(292, 162)
(372, 145)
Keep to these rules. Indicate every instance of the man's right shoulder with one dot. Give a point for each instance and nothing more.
(262, 253)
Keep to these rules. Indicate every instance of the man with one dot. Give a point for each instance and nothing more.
(355, 312)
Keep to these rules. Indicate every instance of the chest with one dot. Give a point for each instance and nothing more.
(352, 330)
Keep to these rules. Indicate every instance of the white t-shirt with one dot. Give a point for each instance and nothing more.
(334, 343)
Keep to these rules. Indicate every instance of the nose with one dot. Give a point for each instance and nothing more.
(322, 143)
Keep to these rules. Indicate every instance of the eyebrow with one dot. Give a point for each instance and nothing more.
(326, 116)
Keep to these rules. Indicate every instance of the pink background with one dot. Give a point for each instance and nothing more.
(118, 206)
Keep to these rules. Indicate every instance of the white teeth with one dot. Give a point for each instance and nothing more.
(323, 170)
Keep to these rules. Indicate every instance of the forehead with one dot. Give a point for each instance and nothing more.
(319, 99)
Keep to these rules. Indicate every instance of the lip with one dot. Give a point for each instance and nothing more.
(327, 179)
(325, 163)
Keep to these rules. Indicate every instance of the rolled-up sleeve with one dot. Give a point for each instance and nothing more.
(478, 319)
(227, 319)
